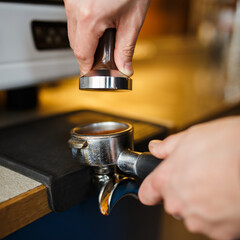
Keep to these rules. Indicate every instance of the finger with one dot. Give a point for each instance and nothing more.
(85, 44)
(195, 224)
(71, 26)
(150, 190)
(162, 149)
(126, 38)
(71, 23)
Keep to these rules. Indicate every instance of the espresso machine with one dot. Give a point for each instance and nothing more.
(34, 43)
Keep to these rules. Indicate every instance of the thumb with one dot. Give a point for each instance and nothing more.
(126, 38)
(162, 149)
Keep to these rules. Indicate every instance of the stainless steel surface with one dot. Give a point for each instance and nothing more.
(101, 180)
(105, 80)
(105, 142)
(103, 175)
(127, 162)
(106, 146)
(78, 144)
(103, 170)
(115, 189)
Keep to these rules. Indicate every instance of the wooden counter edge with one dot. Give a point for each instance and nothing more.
(23, 209)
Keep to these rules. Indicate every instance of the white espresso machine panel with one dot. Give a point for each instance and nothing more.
(34, 45)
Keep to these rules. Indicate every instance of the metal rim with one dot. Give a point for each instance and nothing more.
(105, 83)
(97, 130)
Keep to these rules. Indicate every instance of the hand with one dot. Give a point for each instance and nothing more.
(199, 180)
(87, 21)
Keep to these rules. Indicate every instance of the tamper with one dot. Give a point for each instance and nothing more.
(105, 75)
(108, 148)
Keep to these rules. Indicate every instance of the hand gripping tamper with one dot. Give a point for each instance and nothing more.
(104, 74)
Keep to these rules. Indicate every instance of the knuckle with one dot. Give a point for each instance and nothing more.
(172, 208)
(169, 208)
(80, 56)
(86, 14)
(129, 50)
(193, 226)
(169, 143)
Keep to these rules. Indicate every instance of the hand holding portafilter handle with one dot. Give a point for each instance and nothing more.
(110, 143)
(136, 163)
(104, 74)
(145, 164)
(103, 146)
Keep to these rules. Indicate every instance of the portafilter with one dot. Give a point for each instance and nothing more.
(108, 148)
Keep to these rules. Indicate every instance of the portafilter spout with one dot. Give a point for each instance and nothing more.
(108, 148)
(115, 189)
(105, 75)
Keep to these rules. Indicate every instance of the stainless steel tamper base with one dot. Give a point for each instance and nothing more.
(105, 80)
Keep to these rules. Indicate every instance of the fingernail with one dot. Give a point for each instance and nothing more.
(153, 145)
(128, 69)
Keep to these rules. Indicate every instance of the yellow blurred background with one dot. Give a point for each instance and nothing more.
(166, 17)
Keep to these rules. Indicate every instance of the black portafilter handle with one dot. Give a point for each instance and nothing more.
(145, 164)
(137, 163)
